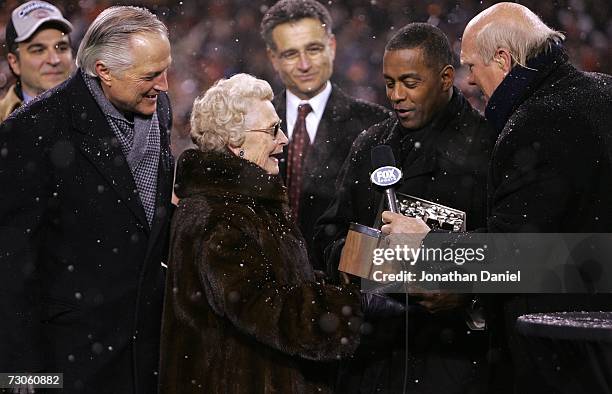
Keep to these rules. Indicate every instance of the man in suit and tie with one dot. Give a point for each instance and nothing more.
(86, 178)
(321, 121)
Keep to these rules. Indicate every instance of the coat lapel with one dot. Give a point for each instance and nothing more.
(425, 164)
(329, 133)
(164, 179)
(98, 143)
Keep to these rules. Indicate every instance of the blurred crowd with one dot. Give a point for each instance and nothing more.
(212, 39)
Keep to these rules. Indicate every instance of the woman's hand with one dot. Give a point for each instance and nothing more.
(440, 302)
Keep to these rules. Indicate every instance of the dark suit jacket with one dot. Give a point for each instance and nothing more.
(80, 277)
(343, 119)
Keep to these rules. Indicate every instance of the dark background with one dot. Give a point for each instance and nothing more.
(212, 39)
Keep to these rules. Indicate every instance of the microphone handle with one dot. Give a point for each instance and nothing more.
(391, 200)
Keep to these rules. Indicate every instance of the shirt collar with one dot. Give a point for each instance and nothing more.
(26, 97)
(317, 102)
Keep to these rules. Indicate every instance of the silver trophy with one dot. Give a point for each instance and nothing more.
(436, 216)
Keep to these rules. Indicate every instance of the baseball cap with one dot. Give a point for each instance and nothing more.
(28, 17)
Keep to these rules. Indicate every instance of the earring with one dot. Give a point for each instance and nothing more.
(241, 153)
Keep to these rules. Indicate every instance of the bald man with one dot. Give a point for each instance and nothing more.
(551, 169)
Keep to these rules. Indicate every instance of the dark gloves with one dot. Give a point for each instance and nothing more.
(320, 276)
(377, 306)
(331, 259)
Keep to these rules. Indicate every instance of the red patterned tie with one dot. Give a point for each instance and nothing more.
(298, 149)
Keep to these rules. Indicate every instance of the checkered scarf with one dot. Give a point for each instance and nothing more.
(140, 144)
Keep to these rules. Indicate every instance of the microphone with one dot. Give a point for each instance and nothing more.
(385, 173)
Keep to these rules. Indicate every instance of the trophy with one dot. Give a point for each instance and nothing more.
(362, 241)
(436, 216)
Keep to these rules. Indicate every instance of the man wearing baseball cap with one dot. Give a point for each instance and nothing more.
(39, 52)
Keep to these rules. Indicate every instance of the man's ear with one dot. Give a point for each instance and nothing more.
(503, 58)
(103, 73)
(13, 61)
(447, 77)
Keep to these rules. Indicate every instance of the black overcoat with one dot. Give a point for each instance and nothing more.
(243, 313)
(80, 270)
(445, 162)
(551, 162)
(343, 119)
(550, 173)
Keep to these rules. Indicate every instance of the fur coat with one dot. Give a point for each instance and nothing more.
(243, 312)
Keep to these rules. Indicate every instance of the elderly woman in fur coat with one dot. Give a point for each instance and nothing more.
(243, 310)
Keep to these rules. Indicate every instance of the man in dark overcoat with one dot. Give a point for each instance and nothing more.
(442, 146)
(301, 48)
(86, 176)
(550, 167)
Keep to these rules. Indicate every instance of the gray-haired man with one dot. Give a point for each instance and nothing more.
(86, 175)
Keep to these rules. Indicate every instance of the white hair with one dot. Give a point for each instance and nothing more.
(106, 38)
(523, 43)
(217, 117)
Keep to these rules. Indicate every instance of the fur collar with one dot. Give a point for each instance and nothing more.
(224, 175)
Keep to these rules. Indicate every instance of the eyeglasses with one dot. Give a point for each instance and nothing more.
(275, 128)
(312, 52)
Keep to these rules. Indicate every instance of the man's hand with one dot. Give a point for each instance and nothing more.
(28, 389)
(439, 302)
(380, 306)
(395, 223)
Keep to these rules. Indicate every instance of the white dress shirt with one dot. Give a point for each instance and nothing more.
(313, 119)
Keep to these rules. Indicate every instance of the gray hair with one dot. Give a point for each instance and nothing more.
(106, 38)
(286, 11)
(523, 43)
(217, 117)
